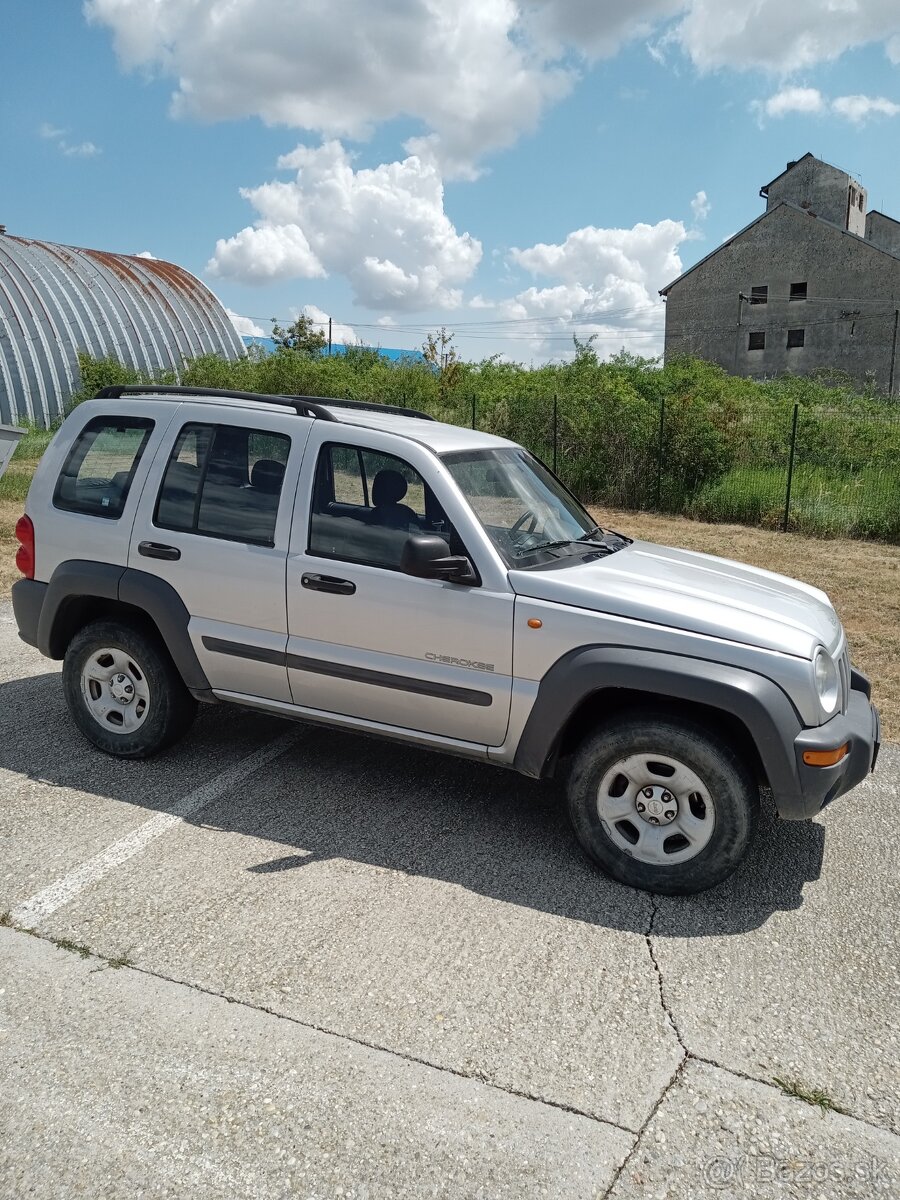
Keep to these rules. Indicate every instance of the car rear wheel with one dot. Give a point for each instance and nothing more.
(662, 805)
(123, 691)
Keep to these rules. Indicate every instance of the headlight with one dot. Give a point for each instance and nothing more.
(828, 683)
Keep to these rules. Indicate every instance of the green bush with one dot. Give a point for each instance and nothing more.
(725, 441)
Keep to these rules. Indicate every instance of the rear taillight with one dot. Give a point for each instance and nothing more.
(25, 553)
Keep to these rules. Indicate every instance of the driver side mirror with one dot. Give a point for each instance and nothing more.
(426, 556)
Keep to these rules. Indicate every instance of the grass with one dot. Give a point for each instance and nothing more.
(813, 1096)
(824, 502)
(72, 947)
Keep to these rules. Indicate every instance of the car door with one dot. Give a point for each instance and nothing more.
(366, 640)
(214, 522)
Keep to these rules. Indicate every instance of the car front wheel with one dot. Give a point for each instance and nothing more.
(662, 805)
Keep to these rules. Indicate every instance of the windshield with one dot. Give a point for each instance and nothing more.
(528, 514)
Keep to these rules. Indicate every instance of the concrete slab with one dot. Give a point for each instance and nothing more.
(63, 800)
(423, 904)
(814, 991)
(118, 1085)
(718, 1135)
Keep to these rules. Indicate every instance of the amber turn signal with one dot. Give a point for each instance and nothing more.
(826, 758)
(534, 623)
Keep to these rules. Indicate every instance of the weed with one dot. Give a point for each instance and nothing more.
(813, 1096)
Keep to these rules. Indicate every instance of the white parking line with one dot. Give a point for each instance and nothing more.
(47, 901)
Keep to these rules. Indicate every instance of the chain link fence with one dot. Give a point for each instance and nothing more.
(829, 472)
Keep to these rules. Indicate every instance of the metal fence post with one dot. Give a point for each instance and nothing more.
(790, 478)
(474, 402)
(659, 451)
(555, 428)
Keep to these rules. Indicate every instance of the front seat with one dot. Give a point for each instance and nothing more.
(388, 489)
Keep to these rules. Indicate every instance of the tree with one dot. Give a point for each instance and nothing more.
(585, 354)
(301, 335)
(439, 351)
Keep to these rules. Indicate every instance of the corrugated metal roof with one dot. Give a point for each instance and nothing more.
(57, 300)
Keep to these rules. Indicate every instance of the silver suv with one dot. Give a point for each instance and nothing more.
(366, 567)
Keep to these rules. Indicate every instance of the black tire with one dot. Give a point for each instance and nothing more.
(170, 709)
(724, 776)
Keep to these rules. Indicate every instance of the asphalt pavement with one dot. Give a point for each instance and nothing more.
(285, 961)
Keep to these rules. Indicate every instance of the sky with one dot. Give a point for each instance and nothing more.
(517, 172)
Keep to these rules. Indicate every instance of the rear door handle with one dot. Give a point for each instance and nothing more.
(158, 550)
(328, 583)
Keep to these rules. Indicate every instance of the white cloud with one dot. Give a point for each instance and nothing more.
(144, 254)
(700, 206)
(859, 108)
(342, 68)
(265, 253)
(341, 334)
(595, 29)
(810, 101)
(71, 150)
(605, 282)
(80, 150)
(774, 35)
(384, 228)
(476, 73)
(245, 326)
(793, 100)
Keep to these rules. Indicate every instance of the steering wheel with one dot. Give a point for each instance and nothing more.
(517, 527)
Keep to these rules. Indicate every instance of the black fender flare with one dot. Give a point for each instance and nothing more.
(759, 704)
(78, 579)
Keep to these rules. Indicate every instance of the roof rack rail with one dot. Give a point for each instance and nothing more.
(365, 406)
(304, 406)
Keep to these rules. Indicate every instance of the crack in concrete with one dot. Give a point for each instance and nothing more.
(85, 952)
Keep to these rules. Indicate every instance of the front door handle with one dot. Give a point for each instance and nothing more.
(328, 583)
(158, 550)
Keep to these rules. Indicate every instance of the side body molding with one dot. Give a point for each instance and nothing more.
(758, 703)
(77, 582)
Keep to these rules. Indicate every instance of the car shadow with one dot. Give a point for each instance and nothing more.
(341, 795)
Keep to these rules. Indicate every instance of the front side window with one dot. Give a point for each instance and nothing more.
(224, 481)
(530, 516)
(796, 338)
(367, 503)
(100, 467)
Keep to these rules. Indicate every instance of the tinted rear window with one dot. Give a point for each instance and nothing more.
(224, 481)
(97, 474)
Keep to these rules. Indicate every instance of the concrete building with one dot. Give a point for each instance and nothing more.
(57, 300)
(814, 282)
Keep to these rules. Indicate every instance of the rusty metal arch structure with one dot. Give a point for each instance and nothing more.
(56, 300)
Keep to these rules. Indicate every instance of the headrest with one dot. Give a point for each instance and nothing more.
(267, 476)
(388, 487)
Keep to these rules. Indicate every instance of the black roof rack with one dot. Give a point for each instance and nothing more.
(303, 406)
(306, 406)
(365, 406)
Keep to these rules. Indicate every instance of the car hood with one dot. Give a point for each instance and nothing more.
(696, 592)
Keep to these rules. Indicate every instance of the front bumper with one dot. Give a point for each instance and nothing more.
(860, 726)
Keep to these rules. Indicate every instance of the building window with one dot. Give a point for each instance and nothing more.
(798, 291)
(756, 341)
(796, 338)
(759, 295)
